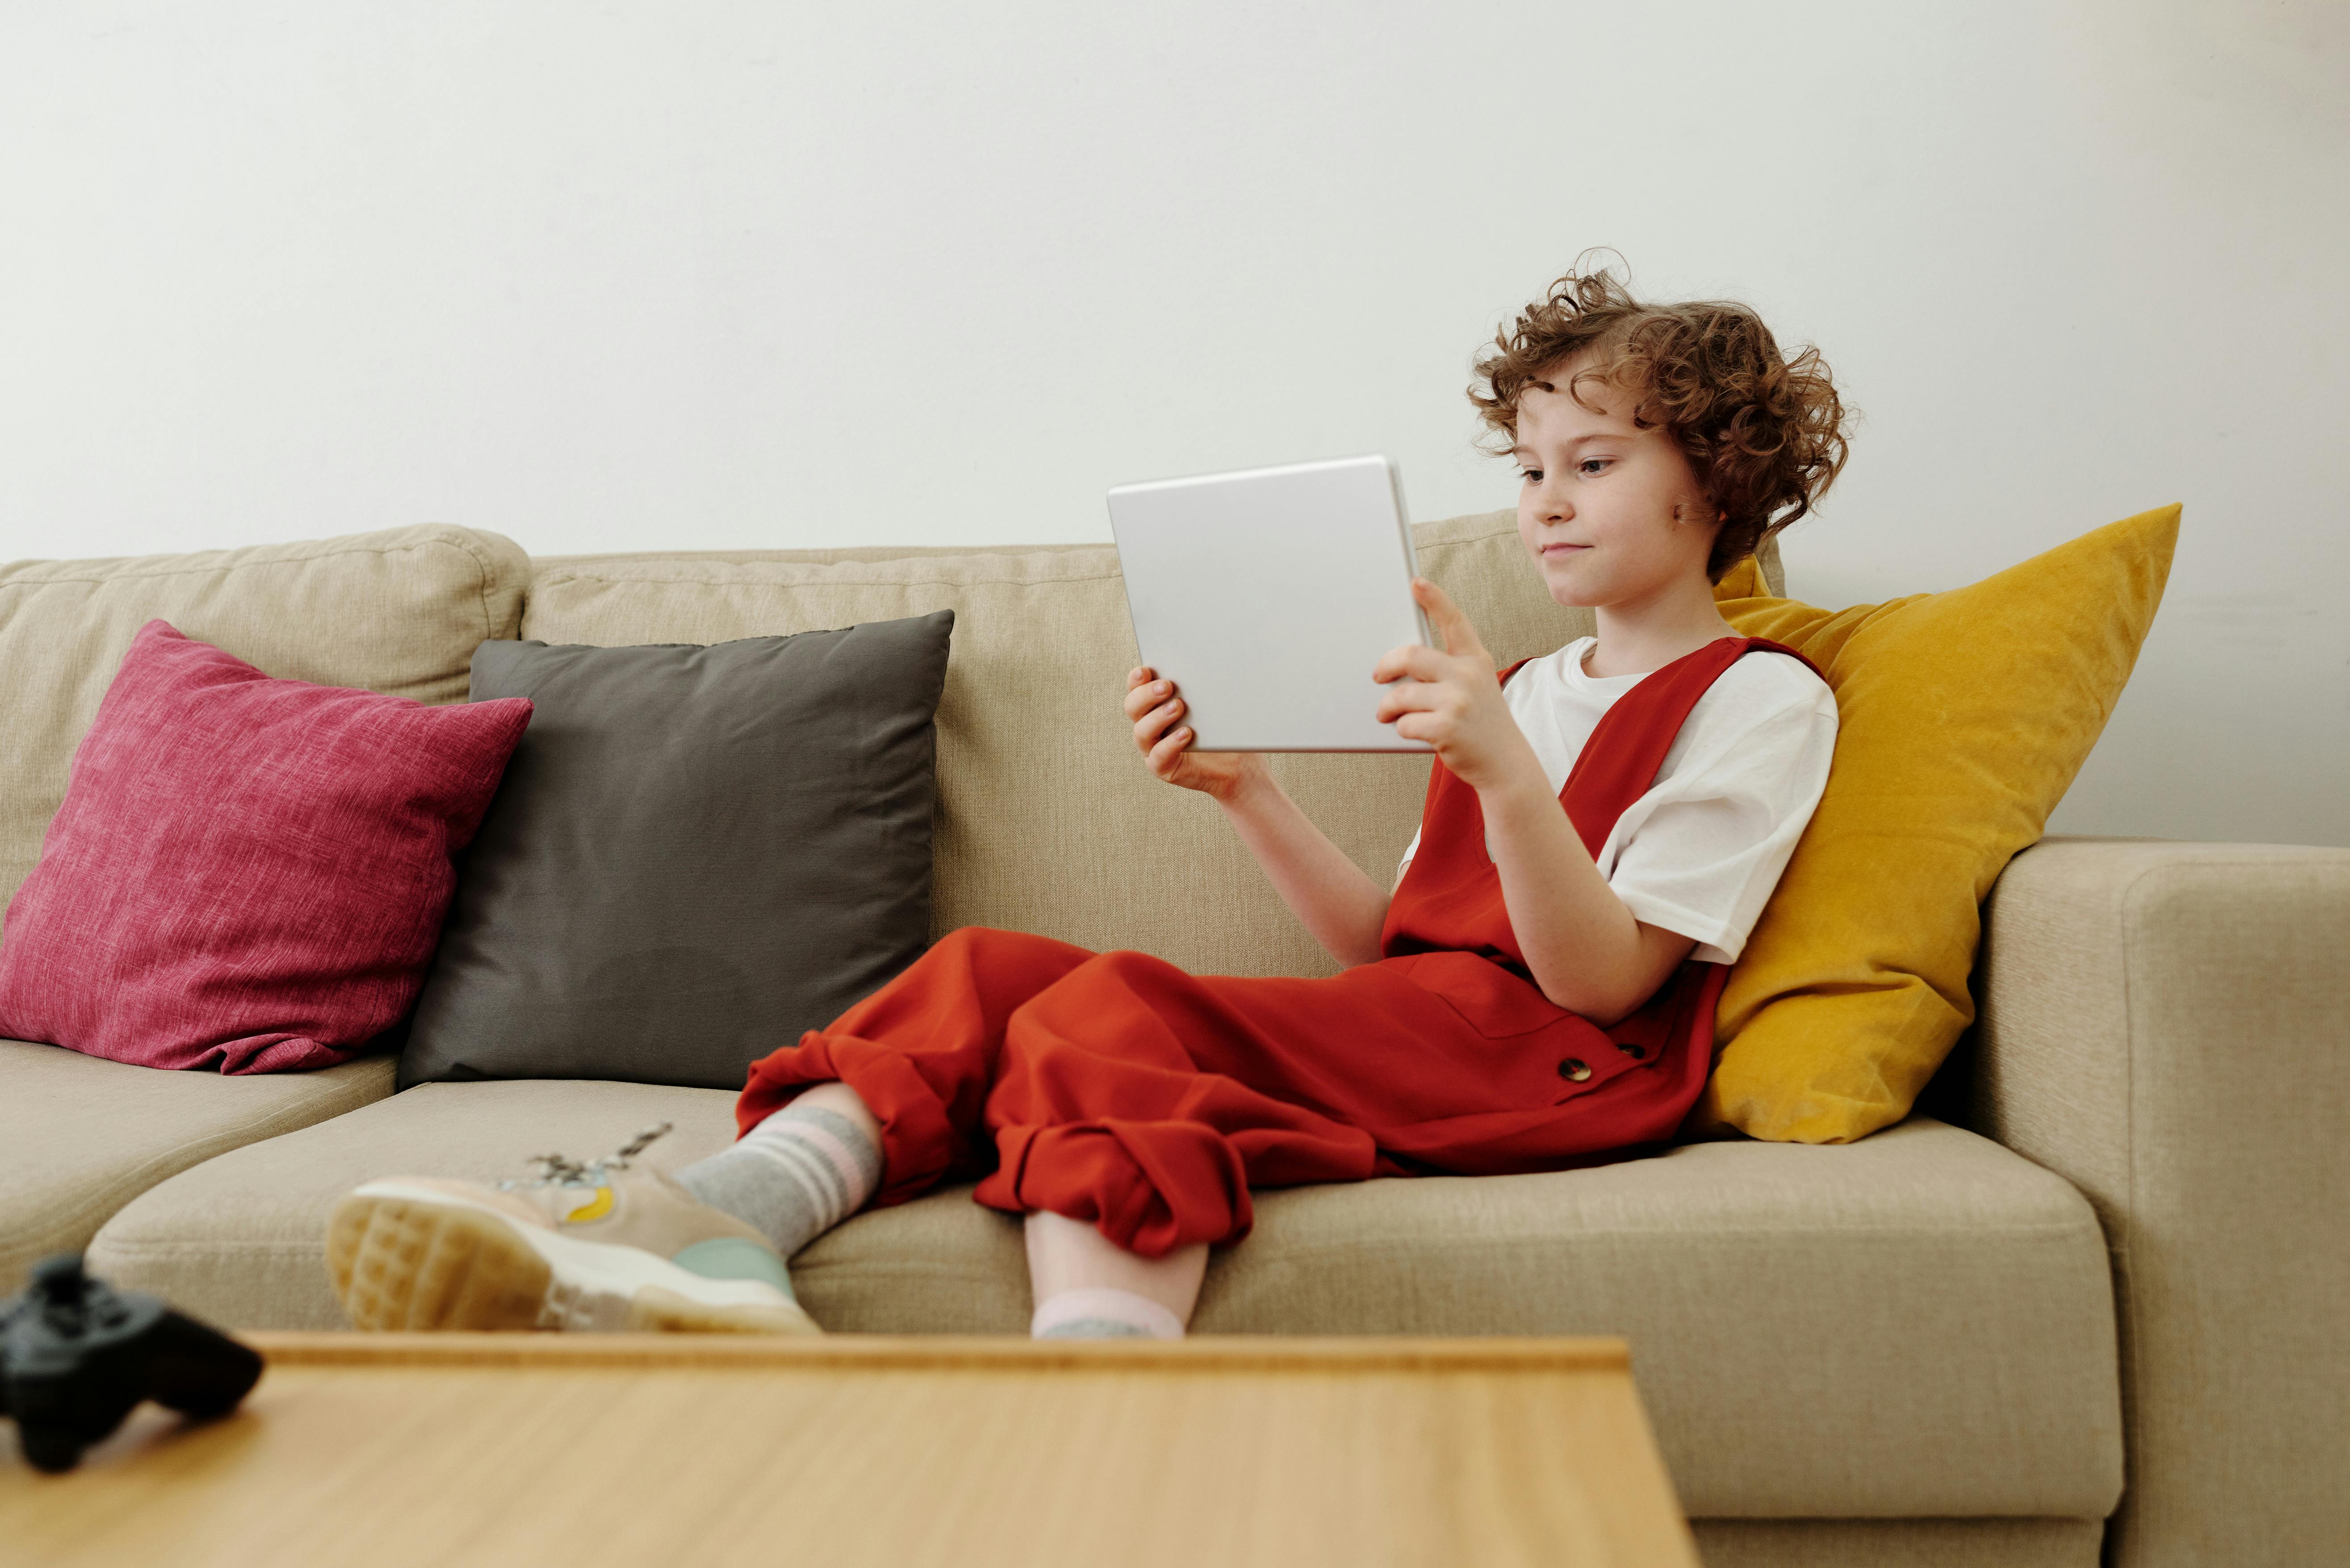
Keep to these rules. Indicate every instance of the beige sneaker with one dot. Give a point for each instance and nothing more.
(602, 1246)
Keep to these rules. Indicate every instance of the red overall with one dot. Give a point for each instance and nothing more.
(1115, 1088)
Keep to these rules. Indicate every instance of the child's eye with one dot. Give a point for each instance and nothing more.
(1529, 474)
(1596, 464)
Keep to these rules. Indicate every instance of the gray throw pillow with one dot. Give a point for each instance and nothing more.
(696, 854)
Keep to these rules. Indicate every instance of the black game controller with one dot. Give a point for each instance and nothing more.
(76, 1355)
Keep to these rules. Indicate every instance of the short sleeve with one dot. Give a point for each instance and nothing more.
(1700, 853)
(1409, 851)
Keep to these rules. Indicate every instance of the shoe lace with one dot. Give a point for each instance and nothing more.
(560, 1170)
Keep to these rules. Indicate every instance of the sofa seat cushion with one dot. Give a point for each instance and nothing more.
(240, 1241)
(80, 1136)
(1916, 1325)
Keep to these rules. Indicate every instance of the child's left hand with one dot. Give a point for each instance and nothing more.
(1451, 701)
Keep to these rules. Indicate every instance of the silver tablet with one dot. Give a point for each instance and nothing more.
(1268, 596)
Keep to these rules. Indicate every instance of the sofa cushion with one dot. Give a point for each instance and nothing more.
(1047, 820)
(248, 874)
(698, 852)
(80, 1136)
(1925, 1298)
(1916, 1325)
(1963, 717)
(242, 1242)
(398, 612)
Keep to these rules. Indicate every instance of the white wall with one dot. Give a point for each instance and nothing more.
(732, 272)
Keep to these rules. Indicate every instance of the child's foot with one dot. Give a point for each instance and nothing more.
(602, 1246)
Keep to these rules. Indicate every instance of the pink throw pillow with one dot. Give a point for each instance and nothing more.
(247, 874)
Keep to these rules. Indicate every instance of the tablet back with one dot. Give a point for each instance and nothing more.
(1268, 596)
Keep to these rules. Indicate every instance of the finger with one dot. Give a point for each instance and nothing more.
(1151, 725)
(1408, 697)
(1140, 675)
(1150, 742)
(1168, 754)
(1414, 662)
(1139, 698)
(1448, 621)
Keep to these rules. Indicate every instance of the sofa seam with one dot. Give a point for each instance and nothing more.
(1959, 1519)
(281, 561)
(1359, 1247)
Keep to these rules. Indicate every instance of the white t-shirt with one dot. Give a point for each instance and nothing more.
(1699, 852)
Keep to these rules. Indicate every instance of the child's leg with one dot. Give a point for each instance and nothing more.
(801, 1172)
(1087, 1287)
(919, 1056)
(809, 1165)
(885, 1100)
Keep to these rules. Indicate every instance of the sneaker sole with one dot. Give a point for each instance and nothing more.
(404, 1258)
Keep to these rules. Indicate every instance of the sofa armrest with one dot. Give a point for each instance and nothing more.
(2167, 1026)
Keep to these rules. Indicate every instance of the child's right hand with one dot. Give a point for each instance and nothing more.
(1155, 706)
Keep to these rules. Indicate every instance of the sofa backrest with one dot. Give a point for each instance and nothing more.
(1048, 821)
(398, 612)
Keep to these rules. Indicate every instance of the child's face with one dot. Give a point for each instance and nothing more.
(1611, 511)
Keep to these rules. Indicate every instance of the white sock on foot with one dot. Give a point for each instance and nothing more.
(1097, 1312)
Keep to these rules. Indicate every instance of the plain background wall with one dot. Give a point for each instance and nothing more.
(740, 274)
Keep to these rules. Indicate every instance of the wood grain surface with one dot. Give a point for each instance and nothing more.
(594, 1449)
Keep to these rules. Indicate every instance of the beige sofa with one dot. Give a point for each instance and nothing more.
(2097, 1303)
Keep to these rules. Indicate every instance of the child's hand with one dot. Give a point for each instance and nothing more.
(1154, 705)
(1451, 700)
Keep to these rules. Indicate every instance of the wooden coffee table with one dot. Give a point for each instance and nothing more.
(576, 1450)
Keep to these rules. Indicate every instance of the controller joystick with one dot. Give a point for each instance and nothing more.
(76, 1355)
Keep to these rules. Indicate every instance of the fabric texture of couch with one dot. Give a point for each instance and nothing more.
(1926, 1235)
(2113, 1259)
(399, 612)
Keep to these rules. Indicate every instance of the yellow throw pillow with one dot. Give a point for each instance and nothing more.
(1963, 718)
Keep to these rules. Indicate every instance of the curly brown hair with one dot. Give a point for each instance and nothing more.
(1764, 433)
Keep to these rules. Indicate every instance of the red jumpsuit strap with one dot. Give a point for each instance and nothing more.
(1451, 896)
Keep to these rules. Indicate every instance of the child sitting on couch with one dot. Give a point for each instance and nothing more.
(1603, 826)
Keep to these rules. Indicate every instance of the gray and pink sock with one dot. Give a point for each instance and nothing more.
(792, 1178)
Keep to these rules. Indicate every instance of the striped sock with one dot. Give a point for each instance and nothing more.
(1099, 1313)
(792, 1178)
